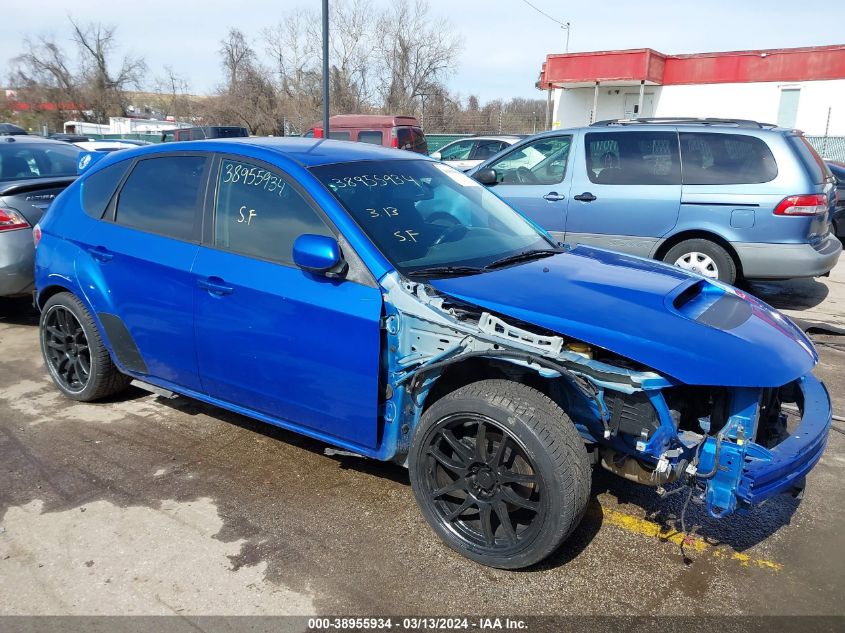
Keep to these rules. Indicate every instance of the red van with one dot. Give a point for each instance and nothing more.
(401, 132)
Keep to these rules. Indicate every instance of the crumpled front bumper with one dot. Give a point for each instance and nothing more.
(793, 458)
(747, 473)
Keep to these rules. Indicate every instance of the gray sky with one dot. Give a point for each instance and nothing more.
(505, 41)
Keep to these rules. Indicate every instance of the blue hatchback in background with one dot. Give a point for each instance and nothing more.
(726, 199)
(390, 305)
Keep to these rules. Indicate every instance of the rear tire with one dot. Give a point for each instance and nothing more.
(78, 361)
(703, 257)
(500, 473)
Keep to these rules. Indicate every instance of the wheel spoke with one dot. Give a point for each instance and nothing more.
(56, 332)
(454, 514)
(511, 497)
(458, 484)
(510, 477)
(505, 519)
(481, 442)
(461, 449)
(56, 345)
(84, 367)
(446, 462)
(487, 524)
(500, 451)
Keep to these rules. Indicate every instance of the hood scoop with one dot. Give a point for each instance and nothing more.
(713, 305)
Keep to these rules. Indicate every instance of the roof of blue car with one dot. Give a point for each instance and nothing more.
(308, 152)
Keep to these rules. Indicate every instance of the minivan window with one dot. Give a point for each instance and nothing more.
(713, 158)
(633, 158)
(540, 162)
(813, 163)
(370, 136)
(162, 195)
(98, 188)
(259, 213)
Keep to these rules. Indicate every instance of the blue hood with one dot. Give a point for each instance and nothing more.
(679, 324)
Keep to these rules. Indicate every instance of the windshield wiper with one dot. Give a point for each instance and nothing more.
(522, 257)
(445, 271)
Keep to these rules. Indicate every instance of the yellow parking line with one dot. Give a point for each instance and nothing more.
(644, 527)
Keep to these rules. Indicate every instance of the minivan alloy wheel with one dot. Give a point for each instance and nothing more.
(66, 348)
(700, 263)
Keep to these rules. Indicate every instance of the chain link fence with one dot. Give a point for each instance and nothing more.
(829, 147)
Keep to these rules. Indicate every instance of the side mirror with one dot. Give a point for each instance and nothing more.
(485, 176)
(436, 155)
(318, 254)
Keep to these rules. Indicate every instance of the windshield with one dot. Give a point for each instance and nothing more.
(422, 214)
(20, 161)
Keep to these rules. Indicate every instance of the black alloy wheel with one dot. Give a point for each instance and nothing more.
(66, 348)
(482, 484)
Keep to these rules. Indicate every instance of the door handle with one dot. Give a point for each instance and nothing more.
(100, 254)
(553, 196)
(585, 197)
(215, 286)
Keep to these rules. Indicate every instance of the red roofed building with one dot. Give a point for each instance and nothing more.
(793, 87)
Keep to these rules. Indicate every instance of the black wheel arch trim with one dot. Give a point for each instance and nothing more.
(122, 344)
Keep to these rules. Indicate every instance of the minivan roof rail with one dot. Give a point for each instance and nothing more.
(680, 120)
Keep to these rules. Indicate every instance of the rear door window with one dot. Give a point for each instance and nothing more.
(164, 195)
(258, 213)
(713, 158)
(486, 149)
(339, 136)
(633, 158)
(98, 188)
(373, 137)
(458, 151)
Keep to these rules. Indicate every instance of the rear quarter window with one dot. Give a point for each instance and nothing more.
(98, 188)
(713, 158)
(810, 159)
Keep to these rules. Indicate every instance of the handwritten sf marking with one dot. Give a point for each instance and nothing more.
(246, 218)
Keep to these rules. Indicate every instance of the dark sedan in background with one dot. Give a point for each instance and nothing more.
(33, 171)
(838, 170)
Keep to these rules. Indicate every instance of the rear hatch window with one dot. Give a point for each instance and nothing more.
(810, 159)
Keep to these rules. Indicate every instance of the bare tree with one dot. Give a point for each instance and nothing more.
(249, 97)
(93, 89)
(172, 96)
(104, 87)
(417, 51)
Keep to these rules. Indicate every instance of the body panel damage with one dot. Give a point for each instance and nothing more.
(638, 422)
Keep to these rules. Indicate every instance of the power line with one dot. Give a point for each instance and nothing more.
(563, 25)
(539, 10)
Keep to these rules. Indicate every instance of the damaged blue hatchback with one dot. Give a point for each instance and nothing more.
(387, 304)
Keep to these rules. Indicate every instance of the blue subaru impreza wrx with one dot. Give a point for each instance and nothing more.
(387, 304)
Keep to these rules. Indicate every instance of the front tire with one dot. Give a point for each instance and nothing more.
(500, 473)
(78, 361)
(703, 257)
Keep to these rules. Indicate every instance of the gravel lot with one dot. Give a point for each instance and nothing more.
(142, 505)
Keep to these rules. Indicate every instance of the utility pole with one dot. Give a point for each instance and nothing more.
(567, 27)
(325, 68)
